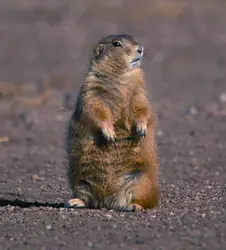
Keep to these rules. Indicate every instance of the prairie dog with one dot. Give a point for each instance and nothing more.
(111, 145)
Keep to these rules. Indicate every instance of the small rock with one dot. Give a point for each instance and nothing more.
(197, 197)
(222, 98)
(48, 227)
(108, 216)
(193, 111)
(35, 177)
(66, 225)
(11, 208)
(4, 139)
(89, 244)
(63, 217)
(62, 209)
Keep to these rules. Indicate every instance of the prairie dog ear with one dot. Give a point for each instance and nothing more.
(98, 50)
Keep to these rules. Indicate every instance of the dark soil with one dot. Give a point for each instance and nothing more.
(44, 52)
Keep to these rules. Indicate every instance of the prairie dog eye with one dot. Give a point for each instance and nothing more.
(117, 44)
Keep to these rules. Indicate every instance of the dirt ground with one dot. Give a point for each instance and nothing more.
(44, 52)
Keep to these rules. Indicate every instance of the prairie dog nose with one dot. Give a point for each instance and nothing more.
(140, 49)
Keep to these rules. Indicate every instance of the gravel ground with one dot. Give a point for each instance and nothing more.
(44, 47)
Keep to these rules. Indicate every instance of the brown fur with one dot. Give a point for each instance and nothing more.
(111, 163)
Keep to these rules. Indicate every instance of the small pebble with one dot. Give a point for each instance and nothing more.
(193, 111)
(36, 177)
(108, 216)
(11, 208)
(90, 243)
(48, 227)
(63, 217)
(222, 98)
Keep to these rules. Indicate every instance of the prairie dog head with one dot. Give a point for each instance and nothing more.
(117, 54)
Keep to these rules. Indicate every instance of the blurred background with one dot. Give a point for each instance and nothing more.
(49, 42)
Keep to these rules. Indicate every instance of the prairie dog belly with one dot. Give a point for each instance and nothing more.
(105, 168)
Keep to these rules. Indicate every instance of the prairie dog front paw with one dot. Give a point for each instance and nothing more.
(108, 133)
(141, 129)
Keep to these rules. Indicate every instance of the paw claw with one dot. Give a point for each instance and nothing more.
(74, 203)
(132, 208)
(141, 129)
(109, 136)
(67, 205)
(141, 132)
